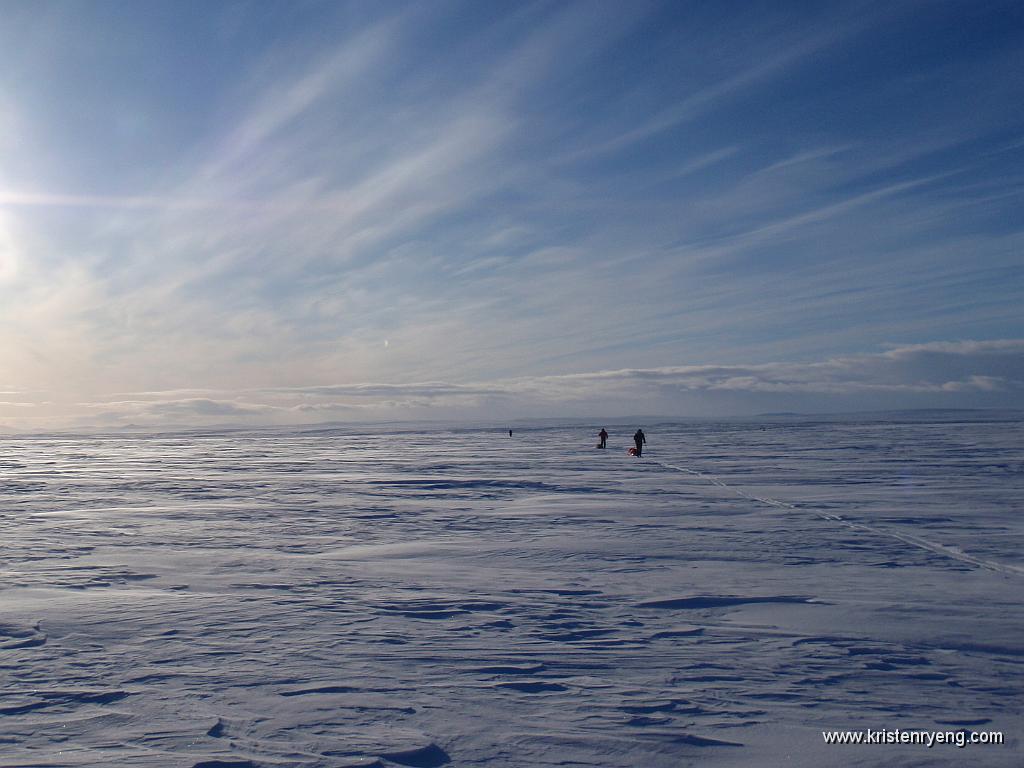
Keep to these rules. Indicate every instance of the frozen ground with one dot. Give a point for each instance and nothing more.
(434, 597)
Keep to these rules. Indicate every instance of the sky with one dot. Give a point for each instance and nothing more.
(277, 212)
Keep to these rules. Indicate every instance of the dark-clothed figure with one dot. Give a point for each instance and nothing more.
(603, 434)
(510, 433)
(639, 438)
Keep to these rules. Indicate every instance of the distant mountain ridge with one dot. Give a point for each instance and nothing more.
(499, 424)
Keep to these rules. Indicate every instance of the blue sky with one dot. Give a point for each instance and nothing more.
(277, 212)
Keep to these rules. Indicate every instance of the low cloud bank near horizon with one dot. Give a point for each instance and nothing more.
(960, 374)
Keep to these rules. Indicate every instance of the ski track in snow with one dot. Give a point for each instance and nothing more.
(907, 538)
(447, 596)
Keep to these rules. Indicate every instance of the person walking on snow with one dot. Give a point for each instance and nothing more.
(639, 438)
(603, 434)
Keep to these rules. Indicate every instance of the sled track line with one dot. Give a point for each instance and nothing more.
(906, 538)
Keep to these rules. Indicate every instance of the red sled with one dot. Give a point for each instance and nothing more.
(632, 451)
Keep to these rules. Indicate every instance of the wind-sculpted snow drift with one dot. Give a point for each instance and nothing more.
(454, 596)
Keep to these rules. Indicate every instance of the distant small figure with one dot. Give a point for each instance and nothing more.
(603, 434)
(639, 438)
(510, 433)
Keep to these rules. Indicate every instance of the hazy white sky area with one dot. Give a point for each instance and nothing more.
(282, 212)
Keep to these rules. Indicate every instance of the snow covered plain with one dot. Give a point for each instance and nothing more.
(455, 596)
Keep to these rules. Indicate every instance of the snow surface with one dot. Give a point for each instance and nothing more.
(455, 596)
